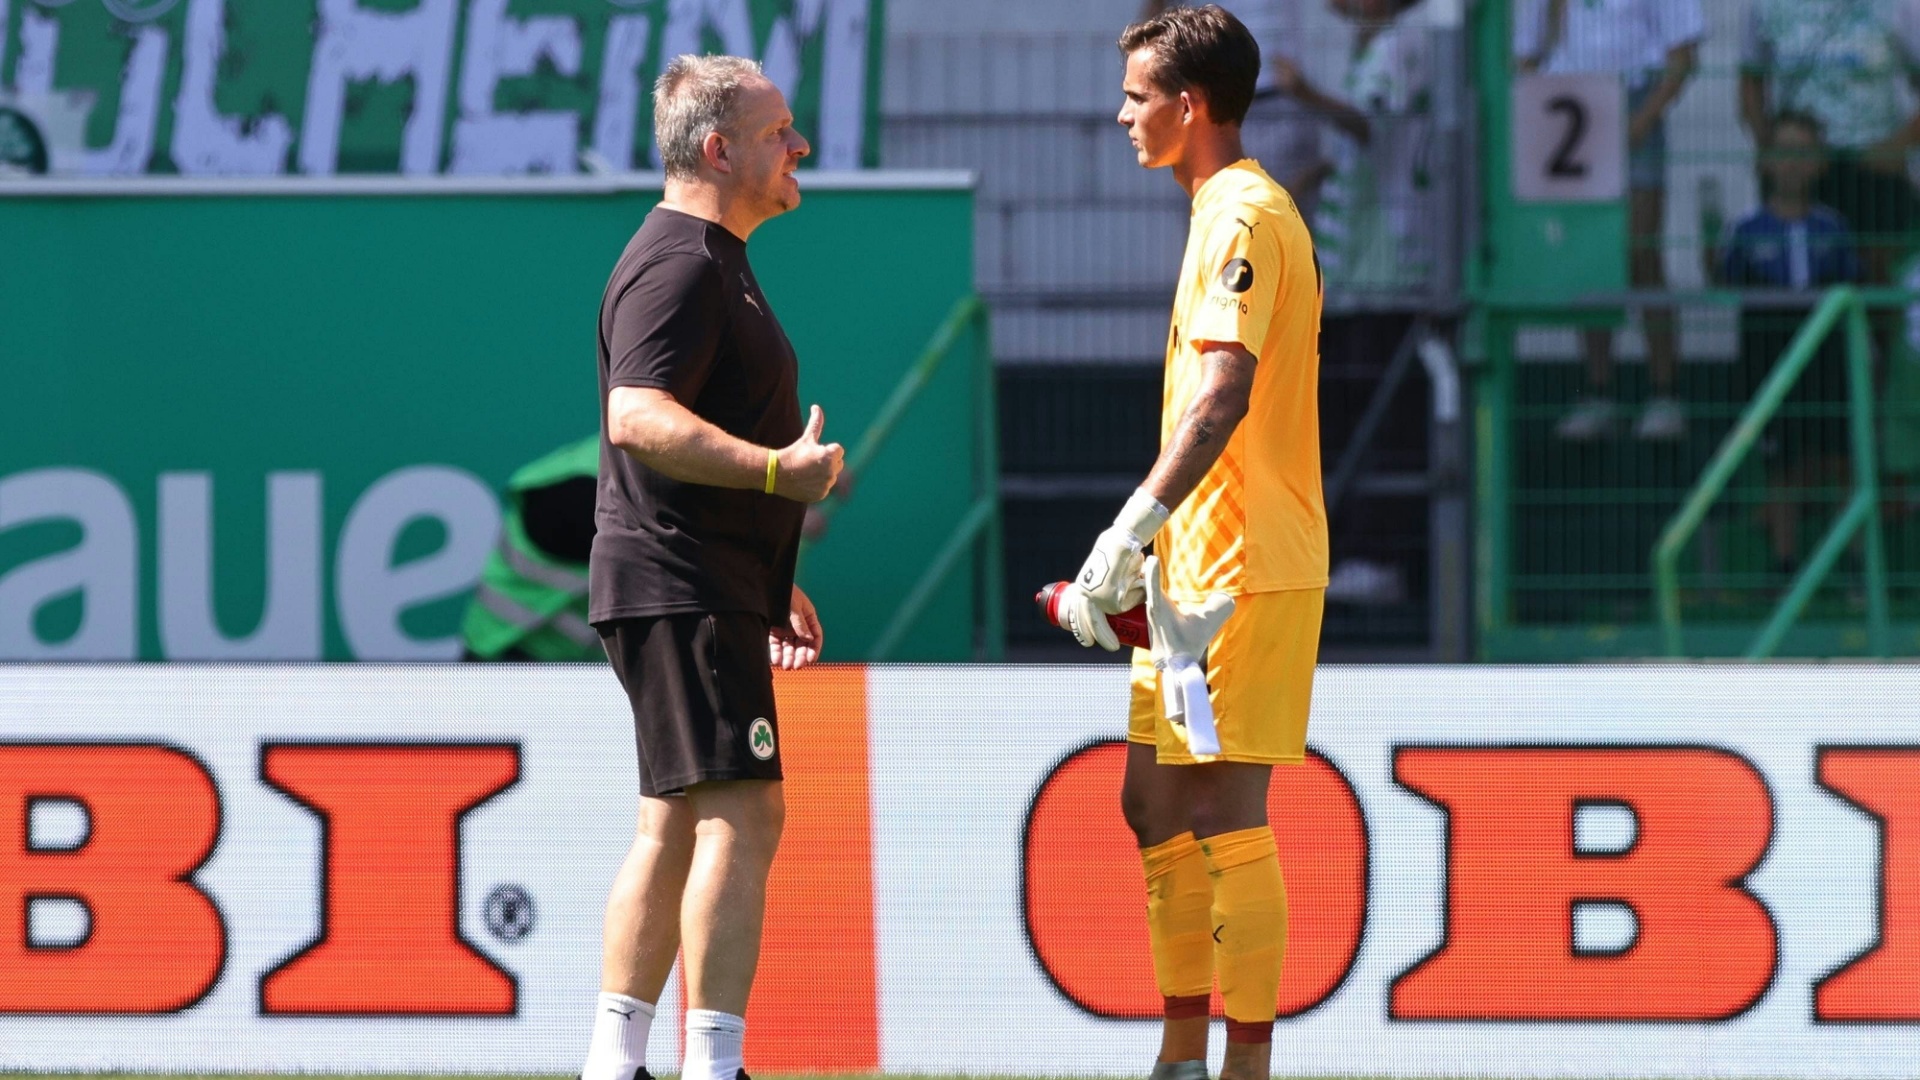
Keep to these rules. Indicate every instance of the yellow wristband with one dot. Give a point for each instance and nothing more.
(773, 468)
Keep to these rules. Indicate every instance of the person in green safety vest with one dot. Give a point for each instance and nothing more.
(532, 600)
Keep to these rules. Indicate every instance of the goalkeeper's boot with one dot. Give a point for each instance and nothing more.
(1178, 1070)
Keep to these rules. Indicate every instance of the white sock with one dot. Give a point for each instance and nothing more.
(713, 1045)
(619, 1044)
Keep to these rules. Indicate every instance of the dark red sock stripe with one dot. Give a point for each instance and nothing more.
(1187, 1008)
(1249, 1031)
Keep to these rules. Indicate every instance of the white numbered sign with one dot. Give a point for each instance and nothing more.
(1569, 138)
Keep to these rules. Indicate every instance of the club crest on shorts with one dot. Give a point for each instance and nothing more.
(760, 738)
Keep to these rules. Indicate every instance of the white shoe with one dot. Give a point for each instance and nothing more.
(1590, 419)
(1178, 1070)
(1664, 420)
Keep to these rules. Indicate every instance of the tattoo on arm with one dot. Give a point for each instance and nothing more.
(1204, 429)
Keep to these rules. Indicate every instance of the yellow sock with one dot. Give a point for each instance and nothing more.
(1179, 926)
(1250, 928)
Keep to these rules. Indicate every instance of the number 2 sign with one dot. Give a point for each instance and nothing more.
(1569, 138)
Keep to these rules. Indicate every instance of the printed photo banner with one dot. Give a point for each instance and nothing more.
(1573, 873)
(414, 87)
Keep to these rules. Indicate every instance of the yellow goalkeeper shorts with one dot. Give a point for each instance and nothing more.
(1260, 678)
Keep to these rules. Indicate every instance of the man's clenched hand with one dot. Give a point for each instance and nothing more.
(1110, 577)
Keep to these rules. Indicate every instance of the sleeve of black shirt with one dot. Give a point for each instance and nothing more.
(666, 327)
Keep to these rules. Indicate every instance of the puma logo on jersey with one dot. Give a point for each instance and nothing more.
(747, 288)
(1243, 224)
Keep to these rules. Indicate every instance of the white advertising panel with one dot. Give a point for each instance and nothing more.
(1552, 872)
(1568, 872)
(342, 928)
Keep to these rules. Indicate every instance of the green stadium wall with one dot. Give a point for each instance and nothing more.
(384, 354)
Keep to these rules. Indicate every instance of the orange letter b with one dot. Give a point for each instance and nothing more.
(1703, 948)
(154, 942)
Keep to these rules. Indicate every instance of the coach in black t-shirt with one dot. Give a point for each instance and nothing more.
(704, 470)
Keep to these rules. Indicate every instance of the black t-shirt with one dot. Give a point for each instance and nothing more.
(683, 313)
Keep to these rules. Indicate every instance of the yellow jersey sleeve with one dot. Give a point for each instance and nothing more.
(1241, 268)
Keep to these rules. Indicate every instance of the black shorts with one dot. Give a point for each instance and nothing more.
(702, 694)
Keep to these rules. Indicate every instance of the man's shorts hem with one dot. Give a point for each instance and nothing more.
(1165, 758)
(673, 786)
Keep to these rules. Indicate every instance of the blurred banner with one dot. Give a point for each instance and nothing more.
(1493, 872)
(420, 87)
(269, 420)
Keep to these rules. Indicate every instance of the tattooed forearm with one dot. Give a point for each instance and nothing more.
(1188, 451)
(1204, 429)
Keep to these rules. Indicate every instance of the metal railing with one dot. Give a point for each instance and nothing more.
(1608, 399)
(1568, 533)
(978, 530)
(1860, 514)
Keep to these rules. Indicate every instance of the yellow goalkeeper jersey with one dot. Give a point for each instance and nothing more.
(1257, 522)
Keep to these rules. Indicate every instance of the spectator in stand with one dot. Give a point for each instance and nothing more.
(1841, 62)
(1793, 242)
(1653, 45)
(1367, 229)
(1278, 133)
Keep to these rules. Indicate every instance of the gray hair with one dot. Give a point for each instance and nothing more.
(696, 95)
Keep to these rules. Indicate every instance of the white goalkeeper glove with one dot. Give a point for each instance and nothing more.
(1109, 581)
(1180, 640)
(1111, 575)
(1087, 624)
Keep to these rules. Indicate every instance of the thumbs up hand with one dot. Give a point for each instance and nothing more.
(808, 467)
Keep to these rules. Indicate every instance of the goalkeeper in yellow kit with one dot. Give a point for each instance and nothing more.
(1234, 513)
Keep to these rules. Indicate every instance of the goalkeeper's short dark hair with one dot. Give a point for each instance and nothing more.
(1204, 49)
